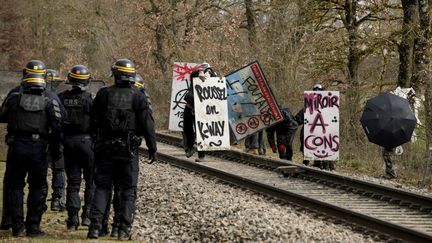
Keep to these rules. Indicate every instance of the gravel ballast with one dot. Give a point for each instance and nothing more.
(177, 205)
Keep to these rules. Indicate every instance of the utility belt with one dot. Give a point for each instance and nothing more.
(131, 143)
(78, 136)
(34, 137)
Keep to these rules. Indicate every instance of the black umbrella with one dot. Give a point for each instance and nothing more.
(388, 120)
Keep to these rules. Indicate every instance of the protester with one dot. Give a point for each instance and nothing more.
(285, 132)
(189, 113)
(299, 117)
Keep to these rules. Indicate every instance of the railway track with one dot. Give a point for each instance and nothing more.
(397, 213)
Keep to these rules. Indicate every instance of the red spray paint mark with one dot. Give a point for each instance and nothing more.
(182, 71)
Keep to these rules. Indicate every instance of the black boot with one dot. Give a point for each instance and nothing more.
(104, 231)
(114, 230)
(72, 222)
(124, 233)
(55, 204)
(18, 231)
(34, 231)
(6, 223)
(93, 232)
(85, 220)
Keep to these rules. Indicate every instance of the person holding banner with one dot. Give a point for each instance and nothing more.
(285, 132)
(189, 113)
(299, 117)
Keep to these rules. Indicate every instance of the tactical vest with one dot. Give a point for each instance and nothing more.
(30, 116)
(119, 114)
(78, 120)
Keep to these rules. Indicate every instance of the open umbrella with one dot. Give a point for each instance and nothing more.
(388, 120)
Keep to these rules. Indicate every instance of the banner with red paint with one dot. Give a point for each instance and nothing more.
(251, 104)
(180, 84)
(321, 125)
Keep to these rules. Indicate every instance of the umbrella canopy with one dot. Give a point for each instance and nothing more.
(388, 120)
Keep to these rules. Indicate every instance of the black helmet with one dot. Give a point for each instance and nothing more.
(123, 70)
(139, 81)
(52, 75)
(35, 66)
(318, 87)
(79, 75)
(33, 81)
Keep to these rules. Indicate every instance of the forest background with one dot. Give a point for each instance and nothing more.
(358, 47)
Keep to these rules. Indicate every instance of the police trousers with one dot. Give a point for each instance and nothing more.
(27, 158)
(79, 163)
(118, 167)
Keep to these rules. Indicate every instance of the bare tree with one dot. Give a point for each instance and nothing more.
(406, 46)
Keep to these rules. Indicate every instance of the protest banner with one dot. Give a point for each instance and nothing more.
(180, 85)
(211, 114)
(321, 125)
(251, 104)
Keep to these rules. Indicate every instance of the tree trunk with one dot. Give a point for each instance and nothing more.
(406, 47)
(354, 57)
(250, 19)
(423, 76)
(159, 53)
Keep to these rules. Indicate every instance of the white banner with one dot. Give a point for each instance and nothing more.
(211, 114)
(321, 125)
(180, 85)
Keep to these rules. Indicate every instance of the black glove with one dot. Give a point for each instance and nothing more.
(152, 158)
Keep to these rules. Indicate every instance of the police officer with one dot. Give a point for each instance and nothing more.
(78, 153)
(285, 132)
(53, 79)
(189, 113)
(120, 116)
(138, 84)
(38, 67)
(33, 119)
(57, 167)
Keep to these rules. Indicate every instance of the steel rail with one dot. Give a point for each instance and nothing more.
(373, 190)
(373, 224)
(351, 184)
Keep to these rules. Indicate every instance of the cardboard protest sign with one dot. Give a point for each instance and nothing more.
(251, 104)
(211, 114)
(180, 84)
(321, 125)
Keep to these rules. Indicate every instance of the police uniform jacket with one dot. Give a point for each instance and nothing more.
(53, 115)
(124, 101)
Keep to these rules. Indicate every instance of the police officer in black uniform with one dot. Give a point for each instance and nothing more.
(57, 167)
(38, 67)
(120, 116)
(33, 119)
(78, 153)
(285, 132)
(139, 84)
(53, 80)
